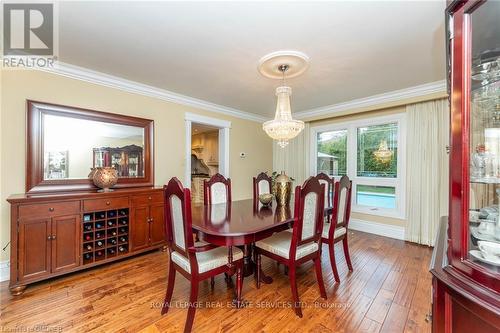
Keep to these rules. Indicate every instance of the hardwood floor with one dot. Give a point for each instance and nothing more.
(389, 291)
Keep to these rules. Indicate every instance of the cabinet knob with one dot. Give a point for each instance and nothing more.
(53, 237)
(49, 237)
(51, 209)
(149, 198)
(108, 203)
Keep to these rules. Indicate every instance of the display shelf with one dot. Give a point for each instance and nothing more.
(485, 180)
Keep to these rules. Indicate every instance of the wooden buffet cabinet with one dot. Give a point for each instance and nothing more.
(466, 284)
(54, 234)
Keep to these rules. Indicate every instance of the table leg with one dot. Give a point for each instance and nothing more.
(248, 267)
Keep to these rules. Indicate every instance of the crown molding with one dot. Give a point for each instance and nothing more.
(95, 77)
(375, 100)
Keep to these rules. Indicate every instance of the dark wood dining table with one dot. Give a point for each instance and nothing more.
(242, 223)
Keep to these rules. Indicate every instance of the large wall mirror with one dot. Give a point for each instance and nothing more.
(64, 143)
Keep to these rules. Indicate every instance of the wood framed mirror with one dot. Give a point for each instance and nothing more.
(64, 143)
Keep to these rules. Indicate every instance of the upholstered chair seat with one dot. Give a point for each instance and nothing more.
(340, 231)
(280, 242)
(207, 260)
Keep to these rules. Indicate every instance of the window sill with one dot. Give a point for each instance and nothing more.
(392, 213)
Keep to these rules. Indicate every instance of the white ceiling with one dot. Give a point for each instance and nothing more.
(210, 50)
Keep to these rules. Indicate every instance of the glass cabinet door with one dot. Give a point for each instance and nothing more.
(484, 134)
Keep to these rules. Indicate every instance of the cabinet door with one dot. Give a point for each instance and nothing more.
(34, 249)
(65, 243)
(139, 232)
(157, 228)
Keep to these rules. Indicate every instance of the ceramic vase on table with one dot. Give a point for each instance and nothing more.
(104, 178)
(283, 190)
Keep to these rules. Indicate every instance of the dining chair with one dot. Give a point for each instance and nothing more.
(323, 178)
(301, 245)
(195, 261)
(336, 229)
(216, 190)
(261, 184)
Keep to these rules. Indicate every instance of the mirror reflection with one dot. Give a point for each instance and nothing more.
(73, 146)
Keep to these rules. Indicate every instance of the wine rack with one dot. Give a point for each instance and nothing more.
(105, 234)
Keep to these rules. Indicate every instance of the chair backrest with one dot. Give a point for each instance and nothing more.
(261, 184)
(309, 210)
(341, 204)
(217, 190)
(178, 222)
(323, 178)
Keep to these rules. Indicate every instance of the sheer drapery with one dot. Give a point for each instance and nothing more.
(294, 158)
(427, 169)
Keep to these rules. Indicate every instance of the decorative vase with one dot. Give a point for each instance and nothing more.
(105, 178)
(266, 199)
(283, 189)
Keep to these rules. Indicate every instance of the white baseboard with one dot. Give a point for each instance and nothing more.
(387, 230)
(4, 270)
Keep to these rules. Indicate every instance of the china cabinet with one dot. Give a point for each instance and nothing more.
(128, 160)
(466, 260)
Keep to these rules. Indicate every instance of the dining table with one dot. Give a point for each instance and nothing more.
(242, 223)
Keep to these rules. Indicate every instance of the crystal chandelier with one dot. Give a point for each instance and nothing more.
(283, 128)
(383, 154)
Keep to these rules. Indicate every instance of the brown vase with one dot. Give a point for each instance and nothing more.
(283, 189)
(105, 178)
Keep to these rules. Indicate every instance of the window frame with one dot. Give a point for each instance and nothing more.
(399, 183)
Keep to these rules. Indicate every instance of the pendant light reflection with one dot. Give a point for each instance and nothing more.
(383, 154)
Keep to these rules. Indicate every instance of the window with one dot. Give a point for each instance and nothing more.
(370, 140)
(332, 153)
(370, 152)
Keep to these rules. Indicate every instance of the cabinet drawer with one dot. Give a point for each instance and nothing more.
(49, 209)
(105, 204)
(146, 199)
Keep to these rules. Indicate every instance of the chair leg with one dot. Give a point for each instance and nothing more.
(319, 277)
(258, 257)
(212, 282)
(331, 247)
(193, 297)
(346, 252)
(170, 289)
(295, 294)
(239, 284)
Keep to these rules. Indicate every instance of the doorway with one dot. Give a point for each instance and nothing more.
(207, 151)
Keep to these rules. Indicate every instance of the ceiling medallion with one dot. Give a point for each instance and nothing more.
(279, 65)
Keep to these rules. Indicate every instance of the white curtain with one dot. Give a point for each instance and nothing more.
(294, 158)
(427, 169)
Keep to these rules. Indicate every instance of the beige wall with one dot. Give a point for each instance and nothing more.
(18, 86)
(358, 116)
